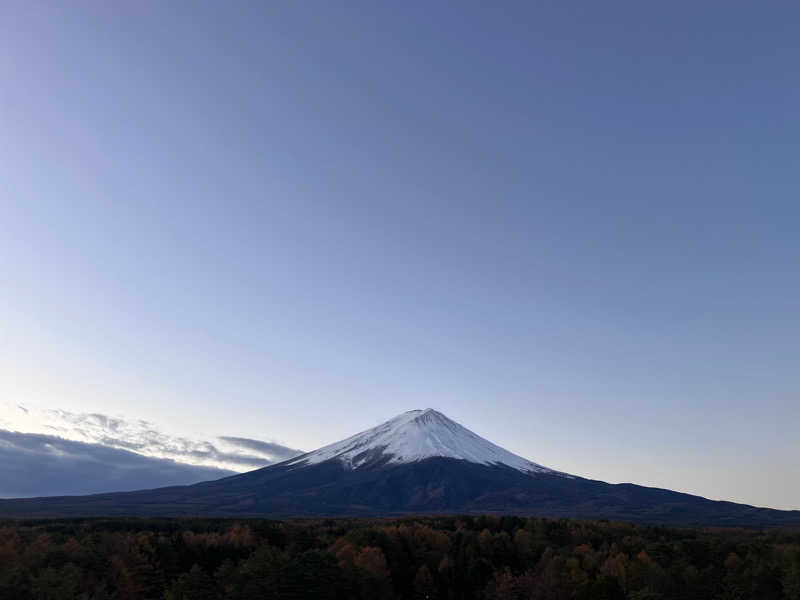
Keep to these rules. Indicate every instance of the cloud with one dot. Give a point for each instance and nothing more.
(145, 438)
(275, 451)
(33, 464)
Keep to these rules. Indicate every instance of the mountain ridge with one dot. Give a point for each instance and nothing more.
(420, 462)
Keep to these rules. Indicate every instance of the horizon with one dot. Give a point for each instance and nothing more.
(228, 233)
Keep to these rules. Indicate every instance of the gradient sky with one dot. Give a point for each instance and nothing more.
(573, 227)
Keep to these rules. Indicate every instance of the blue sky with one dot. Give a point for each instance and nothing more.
(572, 227)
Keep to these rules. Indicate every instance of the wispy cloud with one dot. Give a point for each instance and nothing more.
(270, 449)
(144, 438)
(33, 464)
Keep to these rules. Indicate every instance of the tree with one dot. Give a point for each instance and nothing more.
(14, 583)
(424, 588)
(56, 584)
(605, 587)
(503, 586)
(311, 576)
(617, 567)
(791, 580)
(376, 579)
(194, 585)
(263, 574)
(136, 576)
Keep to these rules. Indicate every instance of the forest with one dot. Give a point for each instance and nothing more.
(447, 558)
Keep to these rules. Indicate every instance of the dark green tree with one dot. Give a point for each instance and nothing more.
(196, 584)
(605, 587)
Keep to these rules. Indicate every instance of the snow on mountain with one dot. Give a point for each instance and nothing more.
(414, 436)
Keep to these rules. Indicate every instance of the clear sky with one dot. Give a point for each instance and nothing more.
(573, 227)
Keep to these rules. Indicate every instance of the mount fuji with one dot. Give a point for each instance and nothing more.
(420, 462)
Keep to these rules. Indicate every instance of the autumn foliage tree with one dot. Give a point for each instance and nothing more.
(441, 558)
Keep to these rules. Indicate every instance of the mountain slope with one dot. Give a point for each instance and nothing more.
(419, 462)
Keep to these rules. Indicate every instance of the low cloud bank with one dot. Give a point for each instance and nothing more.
(34, 464)
(144, 438)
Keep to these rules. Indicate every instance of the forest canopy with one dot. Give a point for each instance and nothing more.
(459, 557)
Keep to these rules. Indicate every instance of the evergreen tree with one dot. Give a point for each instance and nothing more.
(194, 585)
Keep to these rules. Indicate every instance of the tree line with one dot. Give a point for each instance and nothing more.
(443, 558)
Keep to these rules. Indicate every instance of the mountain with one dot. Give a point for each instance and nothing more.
(419, 462)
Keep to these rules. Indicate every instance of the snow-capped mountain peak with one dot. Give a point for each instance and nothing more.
(414, 436)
